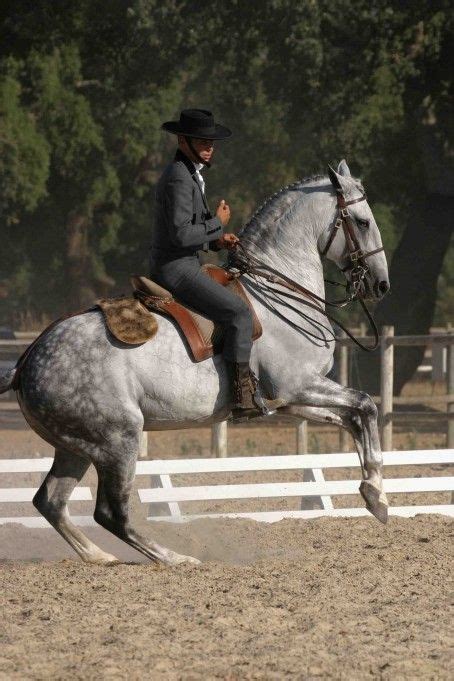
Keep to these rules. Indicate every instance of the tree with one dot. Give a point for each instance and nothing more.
(301, 84)
(94, 88)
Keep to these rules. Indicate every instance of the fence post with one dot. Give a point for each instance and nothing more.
(301, 437)
(343, 380)
(143, 451)
(386, 387)
(450, 391)
(219, 440)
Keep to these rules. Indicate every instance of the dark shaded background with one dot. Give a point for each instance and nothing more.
(85, 86)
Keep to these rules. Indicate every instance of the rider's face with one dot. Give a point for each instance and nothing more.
(203, 147)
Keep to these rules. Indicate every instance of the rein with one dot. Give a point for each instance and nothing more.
(246, 263)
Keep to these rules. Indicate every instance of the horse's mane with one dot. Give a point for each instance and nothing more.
(278, 203)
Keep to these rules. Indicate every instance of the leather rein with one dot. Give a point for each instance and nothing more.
(246, 263)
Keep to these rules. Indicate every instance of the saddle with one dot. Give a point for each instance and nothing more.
(131, 319)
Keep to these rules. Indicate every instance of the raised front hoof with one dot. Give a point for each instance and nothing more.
(376, 501)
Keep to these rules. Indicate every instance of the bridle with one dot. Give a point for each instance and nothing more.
(243, 262)
(357, 268)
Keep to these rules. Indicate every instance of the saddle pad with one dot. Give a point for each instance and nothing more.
(203, 336)
(128, 320)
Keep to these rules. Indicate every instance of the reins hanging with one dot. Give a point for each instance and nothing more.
(246, 263)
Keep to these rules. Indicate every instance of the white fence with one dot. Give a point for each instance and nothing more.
(162, 493)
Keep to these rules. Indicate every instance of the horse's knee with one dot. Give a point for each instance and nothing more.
(367, 406)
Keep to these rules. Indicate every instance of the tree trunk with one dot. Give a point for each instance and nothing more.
(418, 259)
(414, 272)
(80, 292)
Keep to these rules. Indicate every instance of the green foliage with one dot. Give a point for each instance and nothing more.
(24, 154)
(84, 88)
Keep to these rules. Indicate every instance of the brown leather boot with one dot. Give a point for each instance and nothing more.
(249, 403)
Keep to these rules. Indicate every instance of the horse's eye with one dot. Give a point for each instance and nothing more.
(363, 224)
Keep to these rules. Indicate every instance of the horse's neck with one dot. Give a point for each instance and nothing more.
(290, 247)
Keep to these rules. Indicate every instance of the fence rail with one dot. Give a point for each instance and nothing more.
(166, 498)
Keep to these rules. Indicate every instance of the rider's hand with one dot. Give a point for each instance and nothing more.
(223, 212)
(228, 241)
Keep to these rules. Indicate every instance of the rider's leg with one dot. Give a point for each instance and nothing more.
(189, 284)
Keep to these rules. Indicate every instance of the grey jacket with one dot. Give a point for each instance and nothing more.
(183, 222)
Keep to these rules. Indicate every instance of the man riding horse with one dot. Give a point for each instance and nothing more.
(183, 227)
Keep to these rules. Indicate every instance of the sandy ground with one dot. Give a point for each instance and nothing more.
(343, 599)
(327, 598)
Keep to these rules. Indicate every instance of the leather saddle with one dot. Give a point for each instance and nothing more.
(131, 320)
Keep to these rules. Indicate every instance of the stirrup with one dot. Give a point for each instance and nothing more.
(258, 398)
(261, 404)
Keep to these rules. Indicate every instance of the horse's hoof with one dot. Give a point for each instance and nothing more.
(103, 559)
(376, 501)
(178, 559)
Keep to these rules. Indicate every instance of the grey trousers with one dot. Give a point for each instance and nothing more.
(188, 283)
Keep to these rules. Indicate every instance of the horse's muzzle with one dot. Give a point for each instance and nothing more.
(381, 288)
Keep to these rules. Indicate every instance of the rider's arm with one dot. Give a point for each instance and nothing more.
(179, 210)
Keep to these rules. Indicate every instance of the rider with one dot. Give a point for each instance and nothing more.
(183, 226)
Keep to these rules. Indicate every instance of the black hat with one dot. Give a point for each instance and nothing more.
(197, 123)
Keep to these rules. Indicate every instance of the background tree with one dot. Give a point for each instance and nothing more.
(83, 92)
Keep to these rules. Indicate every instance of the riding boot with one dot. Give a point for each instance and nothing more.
(248, 400)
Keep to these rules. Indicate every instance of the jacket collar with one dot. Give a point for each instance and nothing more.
(179, 156)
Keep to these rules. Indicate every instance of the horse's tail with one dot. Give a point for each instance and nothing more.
(7, 380)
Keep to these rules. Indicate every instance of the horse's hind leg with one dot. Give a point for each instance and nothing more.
(51, 501)
(112, 511)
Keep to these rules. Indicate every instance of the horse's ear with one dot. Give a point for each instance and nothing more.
(333, 176)
(343, 169)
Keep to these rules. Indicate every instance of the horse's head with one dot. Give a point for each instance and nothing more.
(353, 240)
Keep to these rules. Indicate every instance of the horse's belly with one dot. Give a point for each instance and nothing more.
(175, 388)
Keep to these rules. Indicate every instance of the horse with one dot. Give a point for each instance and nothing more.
(91, 396)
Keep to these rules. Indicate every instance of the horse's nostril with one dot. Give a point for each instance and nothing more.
(383, 287)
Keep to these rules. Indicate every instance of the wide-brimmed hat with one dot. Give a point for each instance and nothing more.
(197, 123)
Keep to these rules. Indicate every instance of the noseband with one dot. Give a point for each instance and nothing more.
(358, 268)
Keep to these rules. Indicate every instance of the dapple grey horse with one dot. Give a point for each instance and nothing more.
(91, 397)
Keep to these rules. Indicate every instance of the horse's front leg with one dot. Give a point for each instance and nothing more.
(322, 392)
(343, 418)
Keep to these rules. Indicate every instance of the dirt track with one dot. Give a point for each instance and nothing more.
(329, 598)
